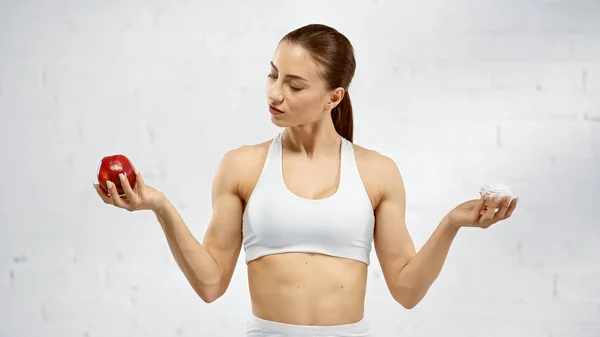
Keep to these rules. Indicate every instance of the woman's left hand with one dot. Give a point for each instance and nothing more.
(481, 213)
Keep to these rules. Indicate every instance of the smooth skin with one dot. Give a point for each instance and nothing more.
(300, 288)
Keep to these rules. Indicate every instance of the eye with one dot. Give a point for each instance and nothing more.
(293, 88)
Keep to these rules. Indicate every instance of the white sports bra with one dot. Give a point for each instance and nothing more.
(278, 221)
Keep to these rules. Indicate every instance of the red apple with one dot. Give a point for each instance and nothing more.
(111, 167)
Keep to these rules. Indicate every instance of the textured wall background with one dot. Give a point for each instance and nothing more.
(458, 93)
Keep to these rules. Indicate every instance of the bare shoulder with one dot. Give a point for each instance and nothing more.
(375, 160)
(245, 156)
(379, 173)
(245, 163)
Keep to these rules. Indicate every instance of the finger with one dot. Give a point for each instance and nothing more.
(136, 185)
(488, 216)
(511, 207)
(102, 194)
(479, 206)
(501, 214)
(140, 184)
(129, 193)
(485, 206)
(115, 198)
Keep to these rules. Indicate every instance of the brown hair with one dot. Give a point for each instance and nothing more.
(333, 52)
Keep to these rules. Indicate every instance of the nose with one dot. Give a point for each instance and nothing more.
(274, 94)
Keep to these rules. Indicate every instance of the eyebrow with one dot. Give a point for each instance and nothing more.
(289, 75)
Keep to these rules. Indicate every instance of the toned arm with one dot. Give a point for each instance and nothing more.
(209, 266)
(409, 275)
(223, 238)
(393, 244)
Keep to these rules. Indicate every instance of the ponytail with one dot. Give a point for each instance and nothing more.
(342, 118)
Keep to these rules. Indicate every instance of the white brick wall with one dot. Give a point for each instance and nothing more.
(457, 92)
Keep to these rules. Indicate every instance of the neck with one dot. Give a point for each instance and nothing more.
(313, 139)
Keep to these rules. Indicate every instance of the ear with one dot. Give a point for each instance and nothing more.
(335, 97)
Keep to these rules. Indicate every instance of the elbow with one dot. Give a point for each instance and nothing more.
(409, 304)
(208, 296)
(209, 293)
(408, 298)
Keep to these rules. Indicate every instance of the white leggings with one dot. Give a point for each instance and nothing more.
(257, 327)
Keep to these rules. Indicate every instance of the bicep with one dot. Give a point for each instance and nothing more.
(393, 244)
(223, 237)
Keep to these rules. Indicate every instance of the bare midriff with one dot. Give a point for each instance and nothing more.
(307, 289)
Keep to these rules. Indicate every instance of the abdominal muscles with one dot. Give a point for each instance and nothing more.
(307, 289)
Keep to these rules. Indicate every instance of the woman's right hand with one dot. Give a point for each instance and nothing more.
(141, 197)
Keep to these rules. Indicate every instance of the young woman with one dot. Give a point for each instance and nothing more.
(307, 206)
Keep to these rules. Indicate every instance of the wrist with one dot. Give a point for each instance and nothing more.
(450, 225)
(160, 207)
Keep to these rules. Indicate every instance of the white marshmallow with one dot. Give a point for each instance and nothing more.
(497, 191)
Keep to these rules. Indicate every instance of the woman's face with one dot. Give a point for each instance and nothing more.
(295, 88)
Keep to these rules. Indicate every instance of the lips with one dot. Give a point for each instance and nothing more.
(274, 110)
